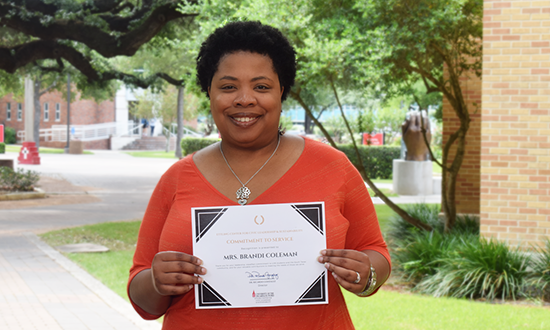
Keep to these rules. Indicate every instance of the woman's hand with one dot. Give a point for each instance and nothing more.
(173, 273)
(345, 266)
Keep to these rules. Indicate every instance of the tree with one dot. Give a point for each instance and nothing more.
(62, 36)
(437, 42)
(333, 55)
(84, 35)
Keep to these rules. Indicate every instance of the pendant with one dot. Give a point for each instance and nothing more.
(242, 195)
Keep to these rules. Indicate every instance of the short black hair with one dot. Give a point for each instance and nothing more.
(253, 37)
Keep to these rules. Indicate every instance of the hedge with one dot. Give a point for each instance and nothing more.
(378, 160)
(10, 136)
(2, 148)
(189, 144)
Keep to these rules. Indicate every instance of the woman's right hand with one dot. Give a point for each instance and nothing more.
(173, 273)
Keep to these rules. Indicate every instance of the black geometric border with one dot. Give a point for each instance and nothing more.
(315, 292)
(209, 297)
(205, 219)
(313, 214)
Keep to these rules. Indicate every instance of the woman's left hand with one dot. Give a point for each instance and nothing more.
(345, 265)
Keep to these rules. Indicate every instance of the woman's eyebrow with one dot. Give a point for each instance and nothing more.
(253, 79)
(228, 78)
(260, 78)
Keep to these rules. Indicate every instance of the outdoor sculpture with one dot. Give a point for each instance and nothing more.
(414, 174)
(413, 137)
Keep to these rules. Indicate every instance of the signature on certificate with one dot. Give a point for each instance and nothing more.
(264, 276)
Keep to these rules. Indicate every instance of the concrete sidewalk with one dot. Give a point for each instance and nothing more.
(39, 287)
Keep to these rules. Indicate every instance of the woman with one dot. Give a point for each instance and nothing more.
(247, 70)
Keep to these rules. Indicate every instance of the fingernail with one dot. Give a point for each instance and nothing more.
(320, 259)
(200, 280)
(324, 252)
(327, 265)
(203, 270)
(199, 262)
(334, 275)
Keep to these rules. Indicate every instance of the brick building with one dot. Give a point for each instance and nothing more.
(513, 132)
(53, 111)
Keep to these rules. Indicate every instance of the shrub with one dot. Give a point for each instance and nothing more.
(538, 284)
(378, 160)
(2, 148)
(419, 255)
(189, 144)
(19, 180)
(10, 136)
(401, 230)
(479, 268)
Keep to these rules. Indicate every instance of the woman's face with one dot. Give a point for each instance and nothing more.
(245, 99)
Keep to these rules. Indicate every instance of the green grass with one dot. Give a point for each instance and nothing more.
(152, 154)
(112, 267)
(392, 310)
(376, 181)
(384, 213)
(436, 168)
(42, 150)
(385, 310)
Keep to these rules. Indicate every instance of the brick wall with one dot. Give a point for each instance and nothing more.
(468, 181)
(515, 163)
(83, 112)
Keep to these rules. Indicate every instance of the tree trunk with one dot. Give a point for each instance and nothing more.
(180, 121)
(37, 111)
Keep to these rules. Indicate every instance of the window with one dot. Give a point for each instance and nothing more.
(19, 111)
(46, 111)
(57, 112)
(8, 111)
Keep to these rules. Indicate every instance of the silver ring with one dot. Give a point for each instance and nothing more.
(358, 279)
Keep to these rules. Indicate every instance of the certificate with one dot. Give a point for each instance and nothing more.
(260, 255)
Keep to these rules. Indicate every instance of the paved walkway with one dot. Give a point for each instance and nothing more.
(39, 287)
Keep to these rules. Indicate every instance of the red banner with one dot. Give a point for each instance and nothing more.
(1, 133)
(373, 139)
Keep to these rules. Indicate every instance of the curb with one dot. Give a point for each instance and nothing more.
(16, 196)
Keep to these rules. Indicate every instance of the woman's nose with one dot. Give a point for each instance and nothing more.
(244, 98)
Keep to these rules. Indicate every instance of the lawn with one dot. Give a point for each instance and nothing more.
(152, 154)
(385, 310)
(42, 150)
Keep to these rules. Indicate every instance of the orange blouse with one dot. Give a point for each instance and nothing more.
(320, 174)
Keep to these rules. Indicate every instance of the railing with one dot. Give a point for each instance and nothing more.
(134, 129)
(96, 132)
(77, 132)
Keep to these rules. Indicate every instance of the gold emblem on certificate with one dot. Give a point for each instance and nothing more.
(260, 255)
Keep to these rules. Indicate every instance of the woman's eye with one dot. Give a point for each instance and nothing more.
(262, 87)
(228, 87)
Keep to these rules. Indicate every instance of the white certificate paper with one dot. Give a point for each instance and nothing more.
(260, 255)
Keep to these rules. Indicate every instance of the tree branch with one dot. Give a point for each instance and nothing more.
(297, 97)
(415, 222)
(104, 42)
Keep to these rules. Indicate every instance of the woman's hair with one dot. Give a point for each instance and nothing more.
(253, 37)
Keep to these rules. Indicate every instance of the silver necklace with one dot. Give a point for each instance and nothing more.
(243, 193)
